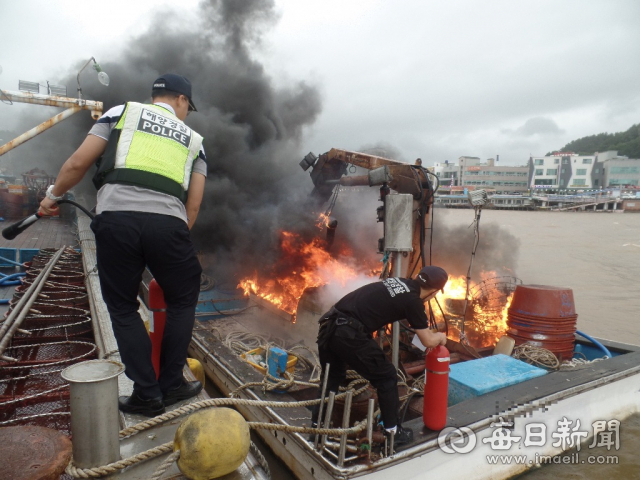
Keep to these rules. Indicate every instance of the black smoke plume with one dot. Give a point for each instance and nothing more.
(253, 131)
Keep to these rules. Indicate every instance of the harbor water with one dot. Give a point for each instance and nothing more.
(595, 254)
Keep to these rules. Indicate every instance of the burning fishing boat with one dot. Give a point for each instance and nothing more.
(255, 335)
(256, 341)
(506, 341)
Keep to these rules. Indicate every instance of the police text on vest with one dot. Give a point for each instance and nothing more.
(156, 124)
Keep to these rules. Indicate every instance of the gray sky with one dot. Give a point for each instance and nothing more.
(430, 79)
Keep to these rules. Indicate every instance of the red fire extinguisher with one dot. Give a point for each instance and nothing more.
(436, 388)
(158, 319)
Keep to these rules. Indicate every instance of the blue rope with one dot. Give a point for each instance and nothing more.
(7, 280)
(12, 262)
(5, 275)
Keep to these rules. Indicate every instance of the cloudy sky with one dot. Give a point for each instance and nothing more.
(423, 78)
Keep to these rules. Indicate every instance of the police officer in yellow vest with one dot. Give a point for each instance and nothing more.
(151, 175)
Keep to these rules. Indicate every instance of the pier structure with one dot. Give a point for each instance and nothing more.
(577, 202)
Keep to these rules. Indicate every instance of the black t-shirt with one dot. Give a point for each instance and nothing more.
(380, 303)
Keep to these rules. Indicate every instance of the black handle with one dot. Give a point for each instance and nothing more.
(13, 230)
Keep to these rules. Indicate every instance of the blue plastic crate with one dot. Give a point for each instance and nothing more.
(27, 254)
(477, 377)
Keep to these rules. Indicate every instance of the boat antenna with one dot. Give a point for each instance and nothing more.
(477, 199)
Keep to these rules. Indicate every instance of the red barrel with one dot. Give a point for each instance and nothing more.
(158, 319)
(543, 316)
(436, 388)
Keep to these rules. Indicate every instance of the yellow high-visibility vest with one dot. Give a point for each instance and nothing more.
(152, 148)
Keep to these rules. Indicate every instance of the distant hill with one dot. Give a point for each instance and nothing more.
(626, 143)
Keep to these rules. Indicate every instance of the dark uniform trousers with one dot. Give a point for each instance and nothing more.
(358, 350)
(126, 242)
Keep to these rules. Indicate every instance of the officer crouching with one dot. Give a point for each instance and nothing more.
(345, 336)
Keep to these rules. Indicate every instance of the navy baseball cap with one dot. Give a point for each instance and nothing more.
(432, 277)
(175, 83)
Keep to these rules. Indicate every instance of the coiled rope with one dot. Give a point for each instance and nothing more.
(536, 356)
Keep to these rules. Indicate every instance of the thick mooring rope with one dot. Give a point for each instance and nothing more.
(164, 466)
(261, 460)
(111, 468)
(221, 402)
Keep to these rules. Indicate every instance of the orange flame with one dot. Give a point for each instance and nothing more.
(310, 266)
(323, 221)
(484, 325)
(305, 264)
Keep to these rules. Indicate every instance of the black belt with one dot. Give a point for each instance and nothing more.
(332, 320)
(350, 322)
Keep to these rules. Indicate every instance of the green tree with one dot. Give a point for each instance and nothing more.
(626, 143)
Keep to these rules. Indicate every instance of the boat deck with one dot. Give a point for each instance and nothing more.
(47, 232)
(528, 399)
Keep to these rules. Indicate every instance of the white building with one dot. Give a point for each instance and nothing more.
(563, 171)
(472, 173)
(621, 171)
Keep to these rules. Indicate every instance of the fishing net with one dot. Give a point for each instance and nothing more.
(54, 329)
(68, 277)
(55, 333)
(31, 399)
(46, 308)
(67, 298)
(41, 355)
(493, 293)
(50, 286)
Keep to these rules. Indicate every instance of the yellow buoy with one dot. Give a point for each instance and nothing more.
(212, 443)
(196, 368)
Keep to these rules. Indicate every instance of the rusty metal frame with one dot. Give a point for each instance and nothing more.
(72, 105)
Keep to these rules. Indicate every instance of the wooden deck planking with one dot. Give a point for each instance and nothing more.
(45, 233)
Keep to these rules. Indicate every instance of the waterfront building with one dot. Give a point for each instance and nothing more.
(471, 173)
(564, 171)
(621, 171)
(568, 172)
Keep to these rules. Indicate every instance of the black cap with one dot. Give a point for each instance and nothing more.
(432, 277)
(175, 83)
